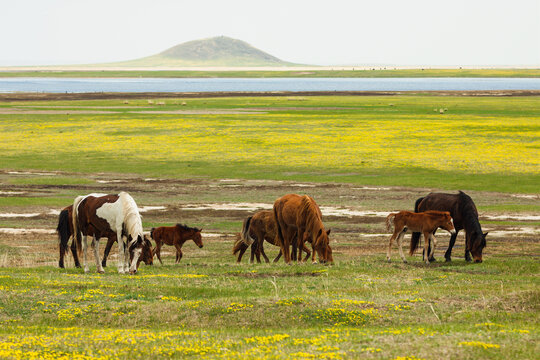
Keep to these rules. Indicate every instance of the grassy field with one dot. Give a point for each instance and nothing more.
(447, 142)
(374, 73)
(350, 153)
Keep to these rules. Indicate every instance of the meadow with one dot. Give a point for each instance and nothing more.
(352, 154)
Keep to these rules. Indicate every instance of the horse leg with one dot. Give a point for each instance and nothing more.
(448, 253)
(85, 250)
(307, 251)
(258, 250)
(433, 245)
(253, 250)
(431, 259)
(62, 254)
(299, 244)
(96, 254)
(108, 247)
(266, 260)
(240, 254)
(427, 237)
(178, 253)
(399, 238)
(74, 252)
(278, 256)
(121, 245)
(467, 252)
(157, 251)
(394, 235)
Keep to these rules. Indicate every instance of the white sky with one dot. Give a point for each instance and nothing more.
(338, 32)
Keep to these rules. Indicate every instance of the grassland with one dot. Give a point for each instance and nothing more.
(424, 141)
(312, 73)
(356, 153)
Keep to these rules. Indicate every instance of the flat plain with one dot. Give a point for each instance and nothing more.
(210, 162)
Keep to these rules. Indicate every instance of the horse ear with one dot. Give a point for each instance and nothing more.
(328, 232)
(485, 234)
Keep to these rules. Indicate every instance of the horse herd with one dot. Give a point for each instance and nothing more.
(294, 221)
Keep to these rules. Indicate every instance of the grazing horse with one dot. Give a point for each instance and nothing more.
(175, 236)
(110, 213)
(465, 216)
(256, 229)
(146, 255)
(299, 214)
(424, 222)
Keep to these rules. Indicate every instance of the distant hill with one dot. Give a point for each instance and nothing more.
(216, 51)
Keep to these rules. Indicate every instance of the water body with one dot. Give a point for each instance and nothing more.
(82, 85)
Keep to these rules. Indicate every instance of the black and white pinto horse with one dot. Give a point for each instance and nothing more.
(105, 214)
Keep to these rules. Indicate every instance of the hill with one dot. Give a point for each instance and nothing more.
(216, 51)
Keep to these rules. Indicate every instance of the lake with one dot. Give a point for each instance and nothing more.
(82, 85)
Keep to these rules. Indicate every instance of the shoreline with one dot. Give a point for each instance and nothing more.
(154, 95)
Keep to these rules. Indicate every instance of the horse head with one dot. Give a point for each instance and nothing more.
(137, 248)
(197, 239)
(146, 255)
(323, 248)
(448, 223)
(476, 245)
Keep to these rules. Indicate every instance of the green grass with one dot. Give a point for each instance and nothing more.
(378, 73)
(56, 180)
(207, 308)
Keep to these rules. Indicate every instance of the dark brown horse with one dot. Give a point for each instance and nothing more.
(175, 236)
(465, 215)
(111, 213)
(255, 230)
(65, 230)
(295, 213)
(425, 222)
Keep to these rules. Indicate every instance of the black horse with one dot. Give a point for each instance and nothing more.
(465, 216)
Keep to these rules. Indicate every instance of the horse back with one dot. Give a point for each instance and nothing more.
(166, 234)
(444, 202)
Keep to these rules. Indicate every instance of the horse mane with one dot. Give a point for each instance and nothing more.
(132, 218)
(311, 212)
(469, 213)
(187, 228)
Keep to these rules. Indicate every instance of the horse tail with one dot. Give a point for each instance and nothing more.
(415, 237)
(239, 244)
(63, 229)
(75, 219)
(245, 231)
(390, 220)
(152, 233)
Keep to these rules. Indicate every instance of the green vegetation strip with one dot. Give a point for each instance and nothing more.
(371, 73)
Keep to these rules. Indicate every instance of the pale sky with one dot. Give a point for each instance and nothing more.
(338, 32)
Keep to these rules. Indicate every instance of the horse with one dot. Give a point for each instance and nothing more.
(146, 255)
(257, 228)
(425, 222)
(300, 214)
(465, 215)
(111, 213)
(65, 230)
(176, 236)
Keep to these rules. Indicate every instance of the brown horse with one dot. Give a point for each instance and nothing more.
(465, 215)
(110, 214)
(256, 229)
(295, 213)
(175, 236)
(424, 222)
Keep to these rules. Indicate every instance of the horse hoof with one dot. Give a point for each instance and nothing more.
(101, 271)
(404, 261)
(448, 259)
